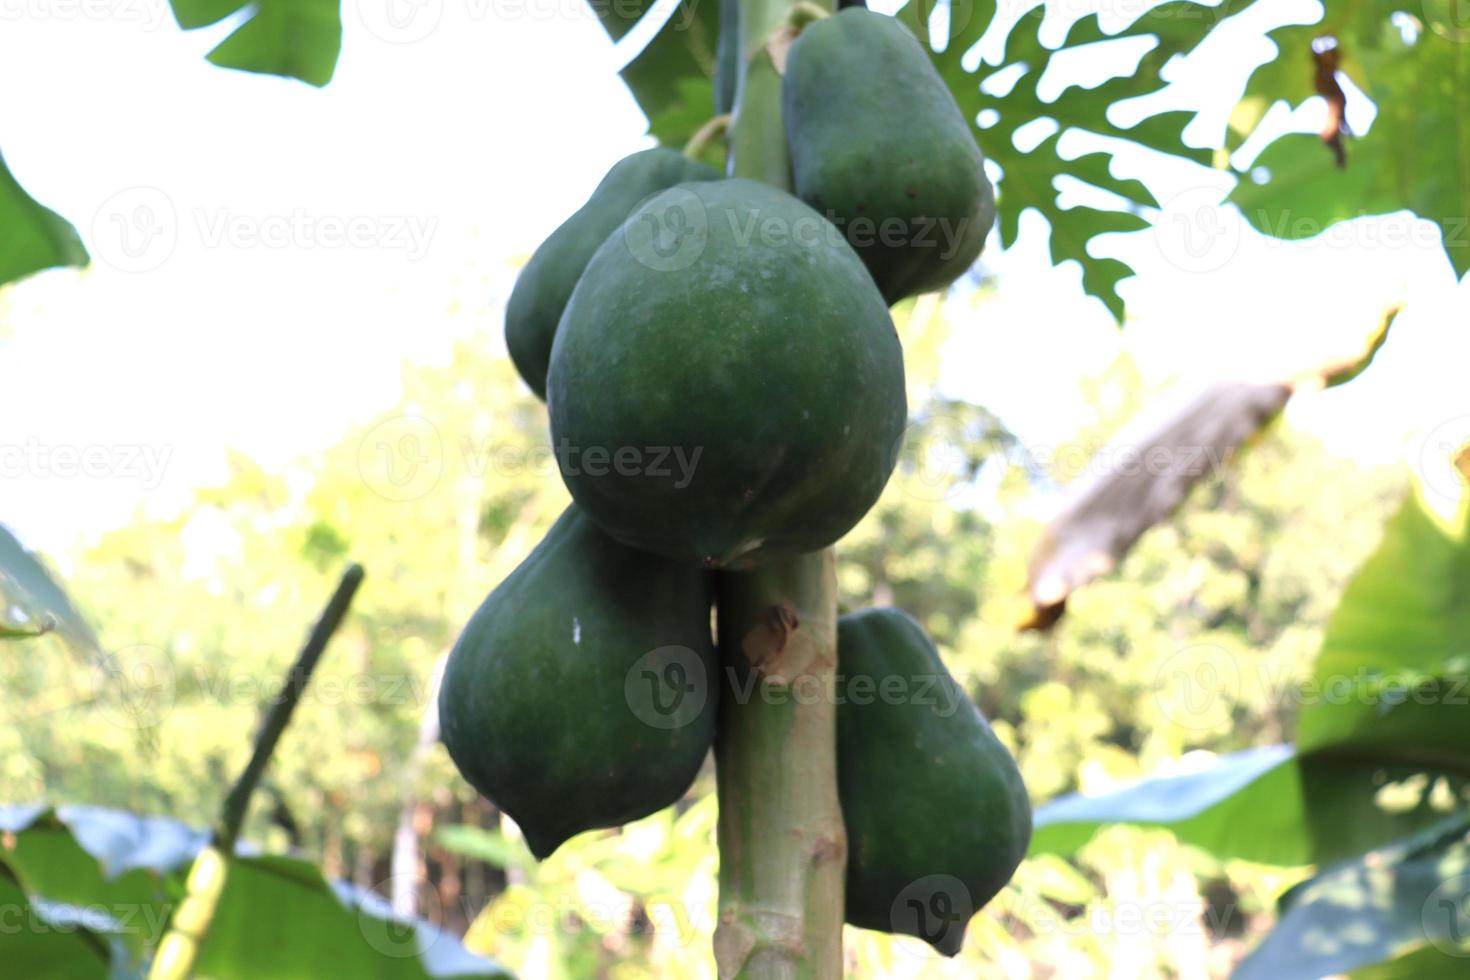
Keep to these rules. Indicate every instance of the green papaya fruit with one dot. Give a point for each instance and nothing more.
(726, 384)
(577, 696)
(540, 294)
(937, 816)
(880, 147)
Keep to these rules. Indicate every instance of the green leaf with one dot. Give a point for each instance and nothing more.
(91, 859)
(118, 842)
(1030, 178)
(277, 916)
(35, 944)
(1410, 899)
(293, 38)
(1396, 654)
(193, 14)
(1201, 808)
(1271, 805)
(1428, 963)
(490, 846)
(27, 586)
(618, 17)
(685, 115)
(673, 76)
(1384, 734)
(35, 238)
(1415, 155)
(683, 50)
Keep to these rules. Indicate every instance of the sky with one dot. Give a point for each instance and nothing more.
(265, 254)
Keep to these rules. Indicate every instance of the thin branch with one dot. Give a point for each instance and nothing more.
(232, 815)
(707, 134)
(179, 949)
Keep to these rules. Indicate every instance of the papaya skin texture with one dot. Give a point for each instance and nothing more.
(878, 142)
(544, 285)
(734, 349)
(545, 706)
(937, 816)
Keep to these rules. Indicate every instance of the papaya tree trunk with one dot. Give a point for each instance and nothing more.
(757, 136)
(783, 847)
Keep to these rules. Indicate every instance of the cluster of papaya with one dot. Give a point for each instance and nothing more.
(726, 387)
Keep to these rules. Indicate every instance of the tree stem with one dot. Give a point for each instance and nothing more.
(783, 847)
(707, 134)
(757, 135)
(232, 814)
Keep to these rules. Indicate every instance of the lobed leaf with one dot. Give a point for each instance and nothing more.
(35, 237)
(292, 38)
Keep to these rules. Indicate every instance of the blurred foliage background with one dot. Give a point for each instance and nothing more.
(445, 492)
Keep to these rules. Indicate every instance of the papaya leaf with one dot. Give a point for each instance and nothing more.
(618, 18)
(1202, 808)
(1396, 653)
(1416, 154)
(102, 874)
(1427, 963)
(683, 117)
(1410, 899)
(292, 38)
(1030, 177)
(277, 916)
(1271, 805)
(26, 586)
(35, 238)
(673, 76)
(39, 942)
(118, 842)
